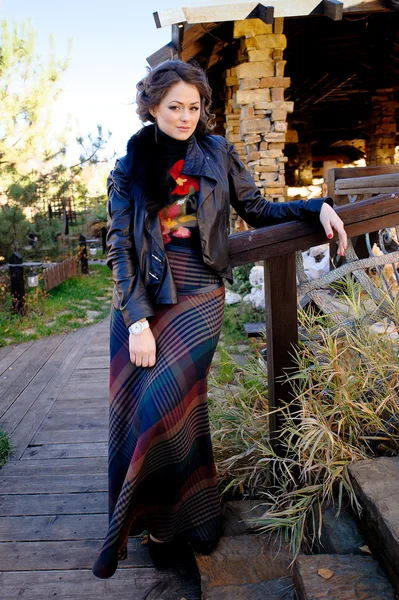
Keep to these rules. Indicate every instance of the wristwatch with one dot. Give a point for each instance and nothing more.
(138, 327)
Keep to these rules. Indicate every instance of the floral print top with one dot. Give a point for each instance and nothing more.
(179, 220)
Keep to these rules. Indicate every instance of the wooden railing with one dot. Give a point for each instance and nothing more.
(276, 246)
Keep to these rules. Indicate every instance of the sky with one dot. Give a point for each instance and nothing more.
(110, 44)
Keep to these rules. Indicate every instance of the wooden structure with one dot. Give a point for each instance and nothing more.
(277, 247)
(299, 87)
(59, 272)
(54, 489)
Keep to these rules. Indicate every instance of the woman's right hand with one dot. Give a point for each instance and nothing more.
(142, 348)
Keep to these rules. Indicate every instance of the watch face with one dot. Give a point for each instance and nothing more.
(137, 328)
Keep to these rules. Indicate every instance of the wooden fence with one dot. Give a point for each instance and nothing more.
(277, 246)
(59, 272)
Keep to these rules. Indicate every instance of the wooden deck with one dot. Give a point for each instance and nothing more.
(53, 491)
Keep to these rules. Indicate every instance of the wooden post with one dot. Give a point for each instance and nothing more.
(84, 263)
(104, 239)
(281, 333)
(17, 283)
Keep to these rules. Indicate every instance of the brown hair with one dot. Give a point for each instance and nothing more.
(154, 86)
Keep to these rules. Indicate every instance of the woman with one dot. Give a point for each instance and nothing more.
(168, 205)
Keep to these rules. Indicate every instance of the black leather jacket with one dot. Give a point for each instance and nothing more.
(136, 252)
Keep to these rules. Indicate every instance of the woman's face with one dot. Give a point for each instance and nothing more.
(178, 112)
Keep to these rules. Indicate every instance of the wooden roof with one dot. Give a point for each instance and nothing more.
(335, 68)
(228, 10)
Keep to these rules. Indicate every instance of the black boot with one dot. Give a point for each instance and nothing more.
(204, 546)
(162, 553)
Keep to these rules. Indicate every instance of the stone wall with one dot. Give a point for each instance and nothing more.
(382, 129)
(256, 112)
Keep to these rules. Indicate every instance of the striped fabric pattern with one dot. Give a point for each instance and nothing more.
(162, 476)
(189, 271)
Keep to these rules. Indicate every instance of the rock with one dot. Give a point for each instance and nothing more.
(256, 298)
(254, 69)
(376, 484)
(242, 560)
(340, 535)
(242, 348)
(250, 28)
(353, 578)
(237, 516)
(232, 297)
(254, 125)
(271, 41)
(239, 359)
(91, 315)
(278, 589)
(319, 250)
(313, 268)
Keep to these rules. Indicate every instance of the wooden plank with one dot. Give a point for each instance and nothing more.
(23, 433)
(77, 450)
(80, 375)
(281, 333)
(83, 403)
(11, 354)
(383, 181)
(369, 190)
(53, 527)
(27, 399)
(53, 484)
(333, 9)
(70, 436)
(235, 11)
(341, 173)
(82, 390)
(94, 362)
(24, 369)
(13, 505)
(131, 583)
(65, 555)
(5, 350)
(265, 242)
(165, 53)
(63, 419)
(54, 466)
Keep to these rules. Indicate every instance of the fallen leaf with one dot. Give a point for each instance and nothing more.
(325, 573)
(365, 549)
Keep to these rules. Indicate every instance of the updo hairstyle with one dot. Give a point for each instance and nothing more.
(154, 86)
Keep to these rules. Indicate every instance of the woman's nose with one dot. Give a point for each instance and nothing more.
(184, 115)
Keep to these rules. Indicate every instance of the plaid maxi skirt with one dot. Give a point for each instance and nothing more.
(161, 471)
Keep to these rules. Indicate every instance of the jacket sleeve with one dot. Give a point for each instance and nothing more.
(129, 287)
(248, 202)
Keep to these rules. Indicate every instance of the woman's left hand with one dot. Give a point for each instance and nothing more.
(330, 220)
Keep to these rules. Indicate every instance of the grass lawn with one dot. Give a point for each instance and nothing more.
(79, 301)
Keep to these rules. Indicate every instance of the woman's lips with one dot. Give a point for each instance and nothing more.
(184, 128)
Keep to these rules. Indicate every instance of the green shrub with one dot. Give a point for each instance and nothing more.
(14, 228)
(346, 390)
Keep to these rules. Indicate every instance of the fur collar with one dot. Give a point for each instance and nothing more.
(146, 163)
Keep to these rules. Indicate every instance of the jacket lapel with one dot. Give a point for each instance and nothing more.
(198, 163)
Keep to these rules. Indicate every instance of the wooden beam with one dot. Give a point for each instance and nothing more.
(177, 37)
(193, 38)
(164, 53)
(168, 17)
(281, 335)
(234, 11)
(265, 13)
(333, 9)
